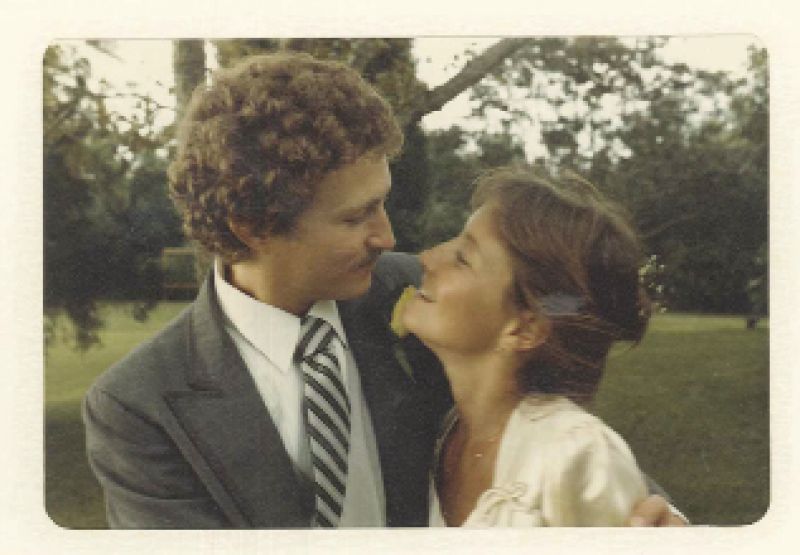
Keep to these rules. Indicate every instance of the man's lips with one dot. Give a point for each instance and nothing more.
(370, 261)
(367, 265)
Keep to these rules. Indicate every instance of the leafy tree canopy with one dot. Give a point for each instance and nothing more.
(106, 213)
(685, 150)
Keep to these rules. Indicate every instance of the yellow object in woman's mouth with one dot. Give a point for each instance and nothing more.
(397, 313)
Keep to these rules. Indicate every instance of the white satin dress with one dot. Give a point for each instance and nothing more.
(557, 465)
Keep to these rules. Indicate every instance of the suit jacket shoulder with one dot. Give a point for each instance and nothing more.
(396, 270)
(156, 365)
(178, 435)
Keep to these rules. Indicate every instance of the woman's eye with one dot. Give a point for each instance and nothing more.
(460, 258)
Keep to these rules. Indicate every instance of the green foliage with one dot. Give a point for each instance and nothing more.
(229, 51)
(695, 179)
(686, 152)
(452, 174)
(106, 213)
(699, 192)
(456, 158)
(569, 79)
(410, 190)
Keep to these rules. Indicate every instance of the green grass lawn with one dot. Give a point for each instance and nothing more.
(72, 496)
(692, 400)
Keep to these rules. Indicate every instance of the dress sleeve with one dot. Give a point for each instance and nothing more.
(591, 478)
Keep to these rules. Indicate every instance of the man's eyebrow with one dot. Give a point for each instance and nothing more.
(374, 202)
(368, 204)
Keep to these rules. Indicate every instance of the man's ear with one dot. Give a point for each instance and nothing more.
(245, 234)
(525, 332)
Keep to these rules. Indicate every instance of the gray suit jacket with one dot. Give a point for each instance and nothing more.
(179, 437)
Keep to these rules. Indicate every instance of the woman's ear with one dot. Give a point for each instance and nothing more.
(525, 332)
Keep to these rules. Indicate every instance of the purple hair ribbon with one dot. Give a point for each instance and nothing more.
(562, 304)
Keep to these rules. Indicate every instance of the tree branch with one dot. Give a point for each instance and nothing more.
(664, 226)
(471, 73)
(100, 46)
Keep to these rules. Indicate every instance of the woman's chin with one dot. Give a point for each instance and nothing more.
(416, 320)
(419, 333)
(410, 325)
(422, 338)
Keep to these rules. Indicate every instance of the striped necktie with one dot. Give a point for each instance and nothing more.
(327, 418)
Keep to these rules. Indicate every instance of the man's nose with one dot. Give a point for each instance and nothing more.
(382, 237)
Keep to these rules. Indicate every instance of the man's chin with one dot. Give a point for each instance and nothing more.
(357, 287)
(360, 291)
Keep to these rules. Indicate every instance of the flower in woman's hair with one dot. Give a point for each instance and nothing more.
(397, 312)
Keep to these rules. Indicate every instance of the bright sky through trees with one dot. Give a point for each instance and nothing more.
(145, 66)
(441, 58)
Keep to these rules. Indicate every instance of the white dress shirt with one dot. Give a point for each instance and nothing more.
(266, 337)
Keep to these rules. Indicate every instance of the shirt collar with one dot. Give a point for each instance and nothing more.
(269, 329)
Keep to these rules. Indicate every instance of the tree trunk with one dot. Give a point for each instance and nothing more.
(189, 67)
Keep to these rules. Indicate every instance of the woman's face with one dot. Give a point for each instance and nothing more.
(464, 300)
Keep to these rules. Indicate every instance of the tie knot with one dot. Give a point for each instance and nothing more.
(316, 336)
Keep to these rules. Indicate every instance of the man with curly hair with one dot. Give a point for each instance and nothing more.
(282, 173)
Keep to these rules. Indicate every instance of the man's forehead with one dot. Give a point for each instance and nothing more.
(354, 185)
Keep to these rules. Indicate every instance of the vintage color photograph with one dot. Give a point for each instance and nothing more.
(406, 282)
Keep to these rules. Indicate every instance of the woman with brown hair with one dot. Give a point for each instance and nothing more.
(522, 308)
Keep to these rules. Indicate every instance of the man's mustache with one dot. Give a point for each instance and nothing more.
(371, 258)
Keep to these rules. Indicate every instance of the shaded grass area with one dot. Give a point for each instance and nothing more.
(692, 400)
(73, 498)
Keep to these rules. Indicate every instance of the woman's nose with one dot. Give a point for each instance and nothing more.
(430, 257)
(425, 260)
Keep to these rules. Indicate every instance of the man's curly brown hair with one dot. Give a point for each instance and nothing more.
(253, 146)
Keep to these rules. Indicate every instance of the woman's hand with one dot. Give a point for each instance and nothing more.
(654, 511)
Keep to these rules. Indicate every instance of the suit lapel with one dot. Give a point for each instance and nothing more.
(383, 381)
(226, 420)
(401, 412)
(238, 451)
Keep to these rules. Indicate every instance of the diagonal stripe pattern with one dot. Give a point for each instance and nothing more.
(327, 418)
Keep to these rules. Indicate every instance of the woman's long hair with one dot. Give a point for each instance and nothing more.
(575, 263)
